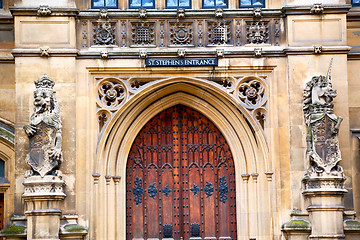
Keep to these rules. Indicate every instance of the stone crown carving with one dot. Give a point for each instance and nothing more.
(44, 131)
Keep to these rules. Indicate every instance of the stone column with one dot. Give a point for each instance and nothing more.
(43, 196)
(326, 207)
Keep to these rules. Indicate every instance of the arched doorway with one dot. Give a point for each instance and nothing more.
(180, 179)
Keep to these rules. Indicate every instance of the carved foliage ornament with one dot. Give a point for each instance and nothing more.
(257, 32)
(44, 131)
(323, 126)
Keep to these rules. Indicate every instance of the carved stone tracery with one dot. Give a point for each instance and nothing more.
(250, 92)
(111, 93)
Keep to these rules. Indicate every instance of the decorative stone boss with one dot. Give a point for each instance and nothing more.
(323, 126)
(44, 131)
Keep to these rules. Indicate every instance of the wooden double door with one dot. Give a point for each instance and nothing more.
(180, 180)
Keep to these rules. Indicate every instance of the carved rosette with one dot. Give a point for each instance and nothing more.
(251, 93)
(111, 93)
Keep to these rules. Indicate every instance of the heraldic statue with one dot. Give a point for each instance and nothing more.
(323, 127)
(44, 131)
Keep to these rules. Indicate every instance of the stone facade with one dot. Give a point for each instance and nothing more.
(271, 62)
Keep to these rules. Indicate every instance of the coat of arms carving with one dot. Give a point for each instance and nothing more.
(44, 131)
(323, 126)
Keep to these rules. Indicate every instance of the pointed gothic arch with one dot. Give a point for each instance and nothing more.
(246, 142)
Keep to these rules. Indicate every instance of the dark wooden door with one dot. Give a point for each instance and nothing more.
(180, 179)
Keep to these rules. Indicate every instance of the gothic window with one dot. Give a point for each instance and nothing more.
(178, 4)
(255, 3)
(215, 3)
(104, 4)
(142, 3)
(355, 2)
(2, 168)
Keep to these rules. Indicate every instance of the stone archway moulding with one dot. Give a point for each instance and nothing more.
(244, 135)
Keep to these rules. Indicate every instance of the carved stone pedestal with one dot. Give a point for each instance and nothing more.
(43, 196)
(326, 207)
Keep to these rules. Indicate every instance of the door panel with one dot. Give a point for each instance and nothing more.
(180, 179)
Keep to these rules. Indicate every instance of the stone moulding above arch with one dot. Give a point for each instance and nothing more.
(115, 86)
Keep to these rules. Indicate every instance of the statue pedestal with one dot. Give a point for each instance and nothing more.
(326, 195)
(43, 197)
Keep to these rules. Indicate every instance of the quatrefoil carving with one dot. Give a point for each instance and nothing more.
(111, 93)
(251, 93)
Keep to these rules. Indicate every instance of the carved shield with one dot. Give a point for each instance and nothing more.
(326, 151)
(40, 145)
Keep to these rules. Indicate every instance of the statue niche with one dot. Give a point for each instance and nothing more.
(44, 131)
(323, 126)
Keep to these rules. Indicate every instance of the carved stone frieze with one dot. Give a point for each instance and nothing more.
(44, 131)
(162, 33)
(104, 33)
(181, 33)
(219, 32)
(323, 127)
(49, 185)
(257, 32)
(111, 93)
(143, 33)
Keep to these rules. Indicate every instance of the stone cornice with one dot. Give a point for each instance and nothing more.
(172, 13)
(353, 14)
(21, 11)
(229, 52)
(305, 10)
